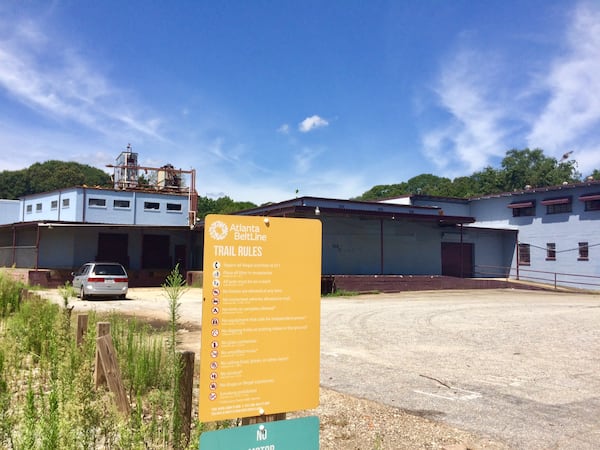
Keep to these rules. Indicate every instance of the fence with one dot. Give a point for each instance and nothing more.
(555, 279)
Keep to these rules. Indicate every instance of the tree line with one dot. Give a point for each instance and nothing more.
(53, 175)
(518, 169)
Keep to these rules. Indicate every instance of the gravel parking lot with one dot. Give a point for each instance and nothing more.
(520, 367)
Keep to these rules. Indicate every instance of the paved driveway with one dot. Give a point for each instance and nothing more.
(523, 367)
(518, 366)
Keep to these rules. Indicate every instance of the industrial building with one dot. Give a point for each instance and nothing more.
(147, 221)
(546, 235)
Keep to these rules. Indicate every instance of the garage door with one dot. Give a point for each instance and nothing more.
(457, 259)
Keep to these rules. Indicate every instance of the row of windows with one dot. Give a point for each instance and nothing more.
(66, 202)
(126, 204)
(583, 249)
(560, 206)
(101, 203)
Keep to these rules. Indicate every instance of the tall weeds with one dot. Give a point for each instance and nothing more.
(47, 393)
(11, 293)
(174, 287)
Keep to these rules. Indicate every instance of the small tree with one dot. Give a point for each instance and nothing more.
(174, 287)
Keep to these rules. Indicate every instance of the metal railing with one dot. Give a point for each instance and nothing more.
(555, 279)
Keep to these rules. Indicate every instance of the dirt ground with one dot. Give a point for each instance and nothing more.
(346, 422)
(459, 369)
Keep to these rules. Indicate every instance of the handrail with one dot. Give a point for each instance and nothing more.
(542, 276)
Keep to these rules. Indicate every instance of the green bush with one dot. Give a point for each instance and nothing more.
(11, 292)
(47, 393)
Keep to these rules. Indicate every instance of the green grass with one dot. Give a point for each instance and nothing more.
(47, 393)
(341, 293)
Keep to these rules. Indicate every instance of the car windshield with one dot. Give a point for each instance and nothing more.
(109, 269)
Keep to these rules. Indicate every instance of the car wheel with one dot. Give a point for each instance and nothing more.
(82, 294)
(122, 297)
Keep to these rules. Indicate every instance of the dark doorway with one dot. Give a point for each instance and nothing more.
(457, 259)
(113, 247)
(155, 252)
(180, 258)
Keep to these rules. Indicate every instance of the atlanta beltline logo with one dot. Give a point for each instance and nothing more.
(219, 231)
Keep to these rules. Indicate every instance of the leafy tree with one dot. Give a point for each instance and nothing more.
(519, 168)
(531, 168)
(49, 176)
(464, 187)
(488, 181)
(428, 184)
(13, 184)
(222, 205)
(382, 191)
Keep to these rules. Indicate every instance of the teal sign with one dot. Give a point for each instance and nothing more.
(293, 434)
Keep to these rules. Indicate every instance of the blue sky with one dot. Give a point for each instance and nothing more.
(264, 98)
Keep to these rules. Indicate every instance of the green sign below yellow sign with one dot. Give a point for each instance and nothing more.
(293, 434)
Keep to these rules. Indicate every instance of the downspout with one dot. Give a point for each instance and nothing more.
(134, 208)
(59, 203)
(462, 263)
(84, 204)
(37, 248)
(381, 244)
(14, 249)
(517, 256)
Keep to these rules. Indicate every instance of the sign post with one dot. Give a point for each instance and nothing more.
(260, 316)
(296, 434)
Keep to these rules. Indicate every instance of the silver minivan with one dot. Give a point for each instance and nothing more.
(106, 279)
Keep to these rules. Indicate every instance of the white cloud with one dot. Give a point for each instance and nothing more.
(312, 123)
(487, 114)
(474, 132)
(71, 89)
(284, 129)
(571, 117)
(303, 160)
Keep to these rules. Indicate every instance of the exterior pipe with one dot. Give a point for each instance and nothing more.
(134, 208)
(37, 249)
(84, 204)
(381, 243)
(14, 243)
(517, 257)
(462, 264)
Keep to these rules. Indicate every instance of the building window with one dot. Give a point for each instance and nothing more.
(54, 205)
(176, 207)
(524, 254)
(583, 251)
(559, 208)
(550, 251)
(592, 205)
(523, 209)
(66, 202)
(152, 205)
(121, 204)
(29, 209)
(38, 207)
(97, 202)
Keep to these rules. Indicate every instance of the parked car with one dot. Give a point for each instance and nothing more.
(105, 279)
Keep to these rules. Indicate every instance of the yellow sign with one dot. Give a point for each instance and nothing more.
(260, 316)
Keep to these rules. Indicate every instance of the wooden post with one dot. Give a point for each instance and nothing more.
(186, 384)
(110, 366)
(102, 329)
(263, 419)
(82, 326)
